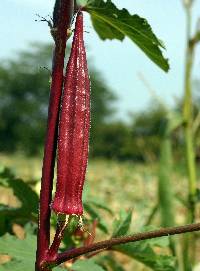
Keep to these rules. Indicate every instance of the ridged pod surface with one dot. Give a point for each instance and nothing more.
(74, 126)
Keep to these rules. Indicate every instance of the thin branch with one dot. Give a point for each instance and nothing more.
(196, 123)
(60, 229)
(107, 244)
(64, 15)
(151, 90)
(195, 39)
(152, 214)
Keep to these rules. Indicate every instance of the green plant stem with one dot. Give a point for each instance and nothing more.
(189, 141)
(165, 193)
(164, 185)
(188, 119)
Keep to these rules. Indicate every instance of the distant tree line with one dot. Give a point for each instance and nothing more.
(24, 90)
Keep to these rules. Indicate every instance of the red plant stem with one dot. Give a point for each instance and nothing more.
(108, 244)
(64, 14)
(57, 238)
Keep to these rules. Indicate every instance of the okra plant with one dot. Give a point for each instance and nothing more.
(67, 141)
(69, 123)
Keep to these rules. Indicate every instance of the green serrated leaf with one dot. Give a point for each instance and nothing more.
(58, 268)
(21, 251)
(157, 242)
(28, 198)
(143, 252)
(122, 225)
(6, 172)
(99, 204)
(95, 215)
(83, 265)
(13, 265)
(110, 262)
(4, 209)
(112, 23)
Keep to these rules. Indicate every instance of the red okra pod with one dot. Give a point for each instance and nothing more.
(74, 125)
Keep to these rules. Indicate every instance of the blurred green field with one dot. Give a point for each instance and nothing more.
(124, 185)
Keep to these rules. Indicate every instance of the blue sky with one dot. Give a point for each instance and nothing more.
(120, 63)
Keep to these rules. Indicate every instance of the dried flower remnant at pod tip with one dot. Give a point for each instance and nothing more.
(74, 125)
